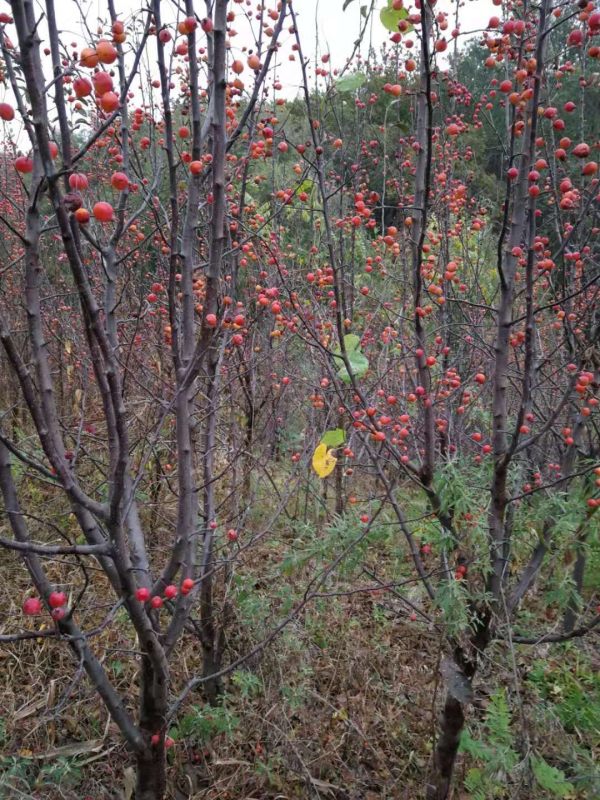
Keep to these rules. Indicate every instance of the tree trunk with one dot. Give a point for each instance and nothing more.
(211, 664)
(210, 635)
(151, 765)
(460, 681)
(573, 609)
(151, 777)
(444, 757)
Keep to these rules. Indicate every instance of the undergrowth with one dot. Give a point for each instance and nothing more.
(343, 704)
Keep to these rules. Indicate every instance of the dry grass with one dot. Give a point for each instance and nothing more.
(341, 707)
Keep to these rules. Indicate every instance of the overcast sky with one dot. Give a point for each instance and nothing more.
(325, 27)
(338, 29)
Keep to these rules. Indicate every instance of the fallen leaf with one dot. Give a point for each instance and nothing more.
(70, 750)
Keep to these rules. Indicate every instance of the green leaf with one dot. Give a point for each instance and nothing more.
(334, 438)
(498, 720)
(390, 18)
(474, 780)
(359, 363)
(475, 747)
(351, 342)
(350, 83)
(306, 186)
(551, 779)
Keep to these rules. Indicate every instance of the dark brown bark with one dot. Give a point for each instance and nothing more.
(151, 765)
(444, 757)
(150, 778)
(218, 236)
(211, 665)
(452, 721)
(419, 229)
(210, 635)
(572, 611)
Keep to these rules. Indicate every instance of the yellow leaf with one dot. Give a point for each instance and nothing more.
(323, 461)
